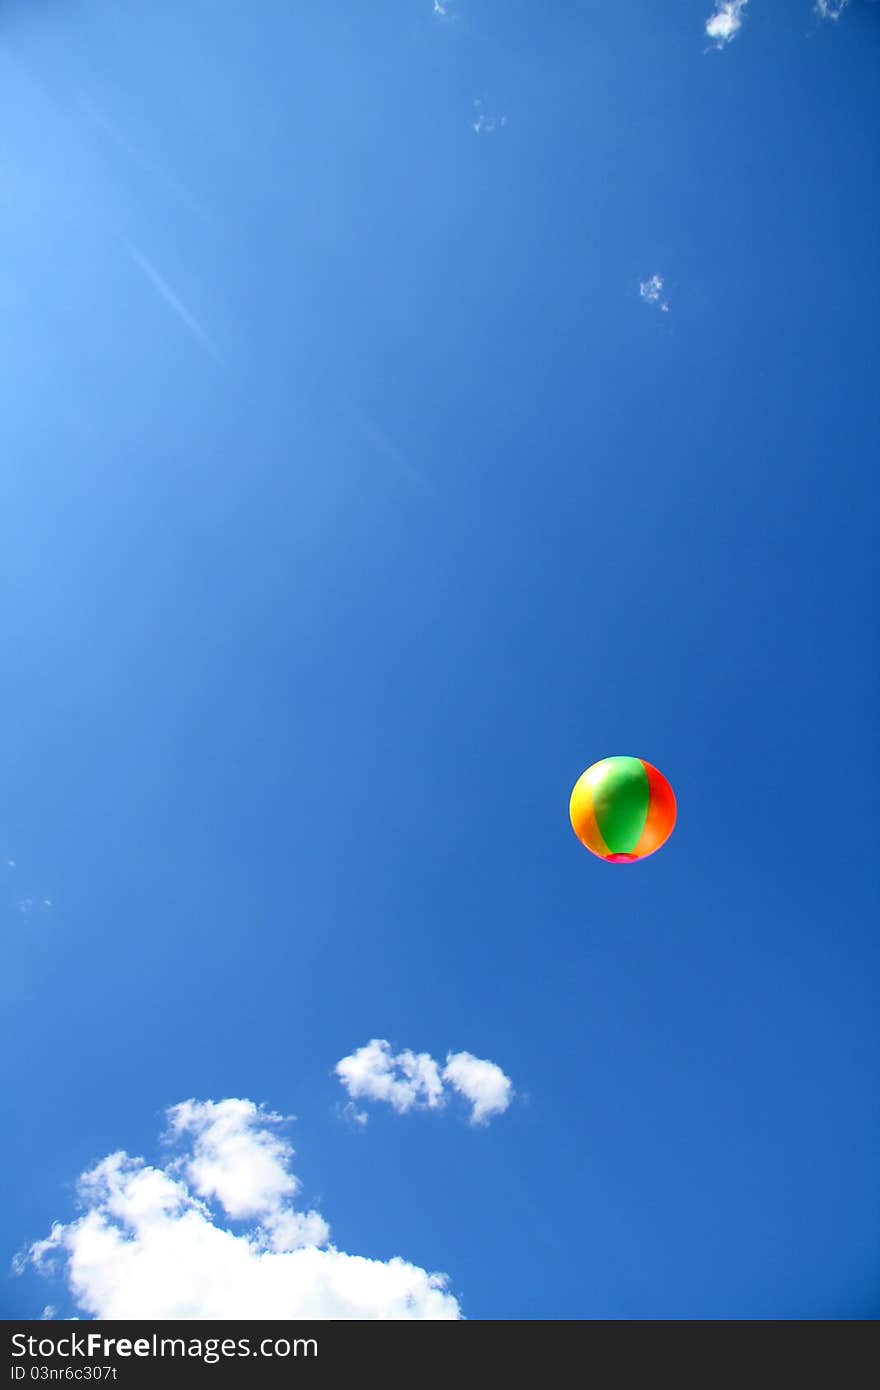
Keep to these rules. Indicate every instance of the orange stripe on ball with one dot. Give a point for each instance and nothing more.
(662, 811)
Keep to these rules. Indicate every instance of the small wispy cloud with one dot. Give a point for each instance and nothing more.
(725, 23)
(441, 8)
(27, 901)
(350, 1112)
(830, 9)
(414, 1081)
(483, 122)
(175, 304)
(652, 292)
(33, 907)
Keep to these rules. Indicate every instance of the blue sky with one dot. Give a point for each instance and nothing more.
(354, 501)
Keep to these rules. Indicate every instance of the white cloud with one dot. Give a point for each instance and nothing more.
(151, 1242)
(239, 1161)
(652, 292)
(831, 9)
(408, 1081)
(726, 22)
(482, 1083)
(413, 1081)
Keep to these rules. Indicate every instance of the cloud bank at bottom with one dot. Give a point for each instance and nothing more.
(155, 1241)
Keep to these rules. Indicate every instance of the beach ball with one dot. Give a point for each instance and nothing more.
(622, 809)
